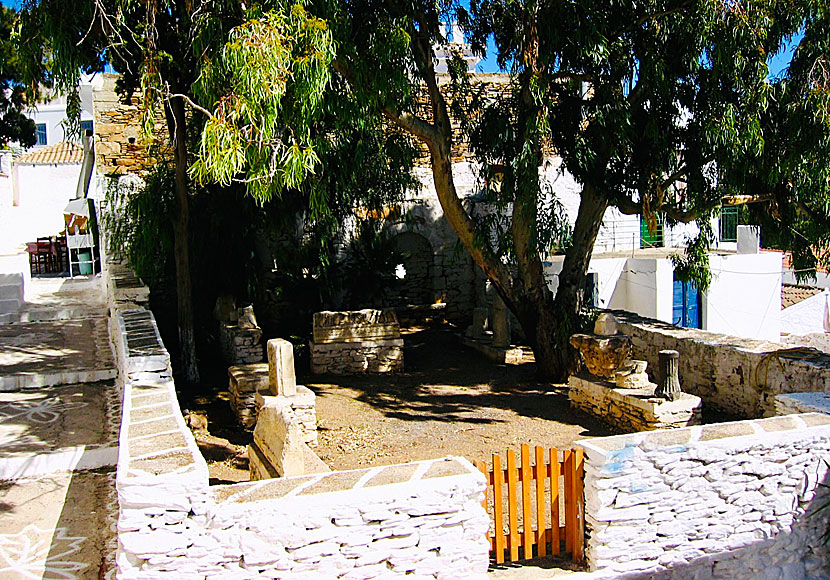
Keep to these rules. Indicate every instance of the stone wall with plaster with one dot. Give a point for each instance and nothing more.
(731, 500)
(422, 518)
(731, 374)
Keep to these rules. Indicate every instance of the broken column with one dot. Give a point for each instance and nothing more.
(239, 334)
(286, 421)
(500, 323)
(668, 386)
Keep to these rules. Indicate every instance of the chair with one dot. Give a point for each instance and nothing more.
(45, 256)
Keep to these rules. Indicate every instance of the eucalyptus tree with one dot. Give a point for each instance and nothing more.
(659, 107)
(160, 48)
(14, 125)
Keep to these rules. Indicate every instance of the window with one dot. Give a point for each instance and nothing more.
(649, 239)
(40, 133)
(729, 224)
(86, 126)
(589, 296)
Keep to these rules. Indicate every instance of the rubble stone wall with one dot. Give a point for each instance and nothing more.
(731, 500)
(356, 342)
(425, 518)
(627, 410)
(240, 345)
(735, 375)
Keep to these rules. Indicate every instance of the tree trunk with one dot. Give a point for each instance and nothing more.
(177, 128)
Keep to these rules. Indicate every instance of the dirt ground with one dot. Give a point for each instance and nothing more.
(450, 401)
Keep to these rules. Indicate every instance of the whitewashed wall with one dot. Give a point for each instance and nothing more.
(732, 374)
(745, 296)
(422, 519)
(44, 192)
(806, 316)
(732, 501)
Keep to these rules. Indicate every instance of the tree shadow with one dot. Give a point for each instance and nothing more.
(448, 382)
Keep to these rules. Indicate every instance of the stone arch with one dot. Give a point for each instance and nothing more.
(416, 252)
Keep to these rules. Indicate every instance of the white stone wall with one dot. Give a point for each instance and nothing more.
(736, 375)
(805, 317)
(732, 501)
(424, 519)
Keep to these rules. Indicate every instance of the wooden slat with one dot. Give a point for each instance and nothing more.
(579, 507)
(541, 528)
(554, 501)
(527, 508)
(512, 507)
(482, 467)
(567, 457)
(498, 516)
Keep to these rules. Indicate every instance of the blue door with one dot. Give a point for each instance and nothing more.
(686, 305)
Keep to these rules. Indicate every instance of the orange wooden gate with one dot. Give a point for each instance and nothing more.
(535, 497)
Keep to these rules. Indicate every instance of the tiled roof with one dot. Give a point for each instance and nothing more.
(63, 153)
(793, 294)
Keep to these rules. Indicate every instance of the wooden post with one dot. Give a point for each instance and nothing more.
(541, 476)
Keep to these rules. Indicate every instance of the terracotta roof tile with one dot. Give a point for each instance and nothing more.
(793, 294)
(63, 153)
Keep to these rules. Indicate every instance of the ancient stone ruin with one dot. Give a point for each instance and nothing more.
(617, 390)
(286, 421)
(239, 334)
(356, 342)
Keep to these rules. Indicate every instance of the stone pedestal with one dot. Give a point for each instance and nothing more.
(244, 382)
(357, 342)
(240, 345)
(630, 410)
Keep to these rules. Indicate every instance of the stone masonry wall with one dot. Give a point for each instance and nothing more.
(732, 374)
(425, 518)
(356, 342)
(628, 410)
(732, 500)
(240, 345)
(119, 146)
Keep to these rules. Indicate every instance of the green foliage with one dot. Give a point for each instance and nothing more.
(14, 126)
(267, 84)
(693, 265)
(136, 221)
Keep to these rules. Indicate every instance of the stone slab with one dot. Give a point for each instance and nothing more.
(802, 403)
(48, 353)
(506, 356)
(60, 526)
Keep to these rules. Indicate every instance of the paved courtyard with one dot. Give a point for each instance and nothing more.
(59, 420)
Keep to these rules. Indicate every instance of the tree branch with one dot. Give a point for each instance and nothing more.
(681, 5)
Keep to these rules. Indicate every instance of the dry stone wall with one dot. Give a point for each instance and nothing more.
(240, 345)
(424, 519)
(736, 375)
(733, 501)
(362, 341)
(628, 410)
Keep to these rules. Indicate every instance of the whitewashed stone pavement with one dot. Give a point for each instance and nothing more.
(58, 443)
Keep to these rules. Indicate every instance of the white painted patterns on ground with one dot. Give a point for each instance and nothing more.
(37, 553)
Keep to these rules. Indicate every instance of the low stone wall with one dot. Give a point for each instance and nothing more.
(363, 341)
(630, 410)
(732, 500)
(425, 518)
(240, 345)
(735, 375)
(802, 403)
